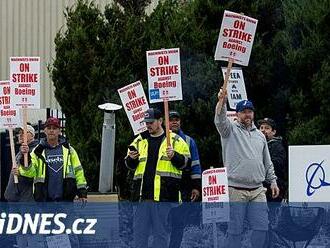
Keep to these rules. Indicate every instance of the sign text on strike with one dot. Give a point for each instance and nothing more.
(214, 190)
(25, 78)
(4, 99)
(164, 70)
(138, 102)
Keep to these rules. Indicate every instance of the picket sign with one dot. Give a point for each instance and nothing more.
(25, 88)
(9, 118)
(135, 104)
(236, 38)
(215, 198)
(164, 75)
(234, 44)
(236, 91)
(164, 80)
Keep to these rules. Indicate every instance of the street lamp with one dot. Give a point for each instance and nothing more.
(108, 147)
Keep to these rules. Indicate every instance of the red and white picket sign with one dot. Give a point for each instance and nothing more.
(25, 87)
(215, 195)
(9, 117)
(135, 103)
(164, 75)
(236, 38)
(25, 82)
(164, 79)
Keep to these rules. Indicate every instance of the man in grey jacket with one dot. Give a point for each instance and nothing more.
(246, 156)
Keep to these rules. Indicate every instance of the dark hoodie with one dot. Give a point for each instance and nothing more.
(278, 157)
(23, 191)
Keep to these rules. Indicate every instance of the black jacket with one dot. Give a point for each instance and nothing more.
(278, 156)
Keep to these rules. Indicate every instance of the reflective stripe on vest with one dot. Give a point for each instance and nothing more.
(157, 187)
(68, 171)
(39, 180)
(168, 174)
(164, 166)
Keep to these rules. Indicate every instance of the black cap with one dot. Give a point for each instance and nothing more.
(267, 121)
(174, 114)
(151, 115)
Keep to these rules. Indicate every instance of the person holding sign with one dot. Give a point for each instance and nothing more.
(190, 184)
(55, 166)
(246, 156)
(157, 175)
(23, 192)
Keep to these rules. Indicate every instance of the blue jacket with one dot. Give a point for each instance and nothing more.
(195, 171)
(191, 175)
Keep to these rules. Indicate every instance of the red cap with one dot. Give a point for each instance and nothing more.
(52, 121)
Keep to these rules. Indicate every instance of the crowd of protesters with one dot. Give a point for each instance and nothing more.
(165, 177)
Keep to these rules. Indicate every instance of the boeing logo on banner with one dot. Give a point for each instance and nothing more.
(313, 180)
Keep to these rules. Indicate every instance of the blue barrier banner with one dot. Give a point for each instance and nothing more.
(150, 224)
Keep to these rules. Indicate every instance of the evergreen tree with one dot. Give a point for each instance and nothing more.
(287, 77)
(306, 37)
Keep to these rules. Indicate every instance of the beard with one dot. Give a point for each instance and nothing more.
(247, 122)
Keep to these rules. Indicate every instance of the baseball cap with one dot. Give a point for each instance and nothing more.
(52, 121)
(174, 114)
(151, 115)
(244, 104)
(267, 121)
(29, 129)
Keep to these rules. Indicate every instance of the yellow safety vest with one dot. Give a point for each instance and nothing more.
(71, 167)
(164, 168)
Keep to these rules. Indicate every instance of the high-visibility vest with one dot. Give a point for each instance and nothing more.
(164, 166)
(71, 167)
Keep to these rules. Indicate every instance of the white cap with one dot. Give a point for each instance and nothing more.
(29, 129)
